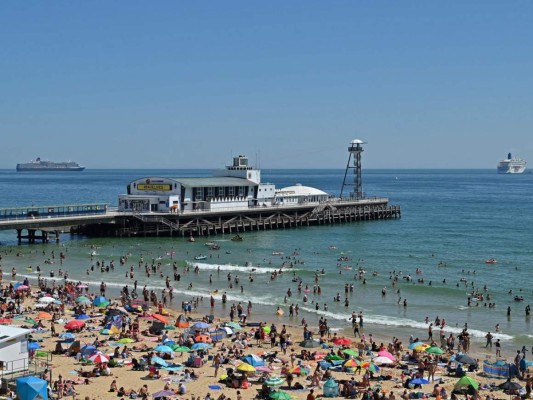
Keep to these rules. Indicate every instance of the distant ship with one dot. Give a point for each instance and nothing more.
(40, 165)
(511, 165)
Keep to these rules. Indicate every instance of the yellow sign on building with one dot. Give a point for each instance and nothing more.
(153, 187)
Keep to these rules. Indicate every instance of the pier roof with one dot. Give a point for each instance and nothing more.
(214, 181)
(299, 190)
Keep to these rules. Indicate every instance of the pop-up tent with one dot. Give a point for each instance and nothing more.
(32, 388)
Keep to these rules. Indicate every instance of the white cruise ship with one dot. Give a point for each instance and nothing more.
(511, 165)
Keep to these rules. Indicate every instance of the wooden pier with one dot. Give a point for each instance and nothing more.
(101, 220)
(245, 220)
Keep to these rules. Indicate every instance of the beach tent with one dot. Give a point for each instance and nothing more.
(182, 321)
(331, 388)
(253, 360)
(31, 387)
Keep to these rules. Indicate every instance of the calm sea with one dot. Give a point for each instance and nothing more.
(452, 221)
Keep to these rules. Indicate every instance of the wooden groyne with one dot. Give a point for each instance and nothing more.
(209, 223)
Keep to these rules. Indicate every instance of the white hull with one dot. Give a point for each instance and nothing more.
(511, 165)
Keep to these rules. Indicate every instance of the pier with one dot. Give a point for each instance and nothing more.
(103, 221)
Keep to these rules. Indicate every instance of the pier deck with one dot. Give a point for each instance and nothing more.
(202, 223)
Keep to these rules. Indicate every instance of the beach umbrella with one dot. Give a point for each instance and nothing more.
(434, 350)
(274, 381)
(370, 366)
(159, 361)
(351, 352)
(47, 299)
(163, 393)
(200, 325)
(82, 286)
(44, 315)
(263, 368)
(23, 287)
(5, 320)
(280, 395)
(170, 328)
(253, 360)
(266, 329)
(75, 324)
(160, 318)
(125, 340)
(413, 346)
(101, 302)
(106, 331)
(99, 358)
(180, 349)
(163, 349)
(342, 341)
(386, 354)
(200, 346)
(30, 321)
(82, 298)
(203, 339)
(465, 359)
(88, 350)
(174, 367)
(82, 317)
(465, 382)
(86, 302)
(310, 343)
(351, 363)
(383, 360)
(168, 342)
(33, 346)
(419, 381)
(244, 367)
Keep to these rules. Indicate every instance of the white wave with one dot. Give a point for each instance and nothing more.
(402, 322)
(239, 268)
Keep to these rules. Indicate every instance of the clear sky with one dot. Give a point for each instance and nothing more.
(183, 84)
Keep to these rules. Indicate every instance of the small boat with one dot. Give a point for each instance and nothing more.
(209, 244)
(228, 251)
(200, 257)
(343, 258)
(191, 239)
(277, 253)
(214, 246)
(518, 298)
(491, 261)
(332, 247)
(237, 238)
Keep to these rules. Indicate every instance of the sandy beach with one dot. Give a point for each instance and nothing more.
(72, 373)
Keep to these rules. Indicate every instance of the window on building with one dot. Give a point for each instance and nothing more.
(231, 191)
(210, 192)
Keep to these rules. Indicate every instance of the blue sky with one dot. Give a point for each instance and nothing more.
(168, 84)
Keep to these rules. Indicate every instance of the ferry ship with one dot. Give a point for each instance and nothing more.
(511, 165)
(44, 166)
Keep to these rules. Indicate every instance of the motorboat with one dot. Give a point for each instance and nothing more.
(200, 257)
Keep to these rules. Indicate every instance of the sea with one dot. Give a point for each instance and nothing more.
(452, 222)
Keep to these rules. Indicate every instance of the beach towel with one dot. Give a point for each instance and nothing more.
(215, 387)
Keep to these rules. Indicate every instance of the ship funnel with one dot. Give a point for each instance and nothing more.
(509, 156)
